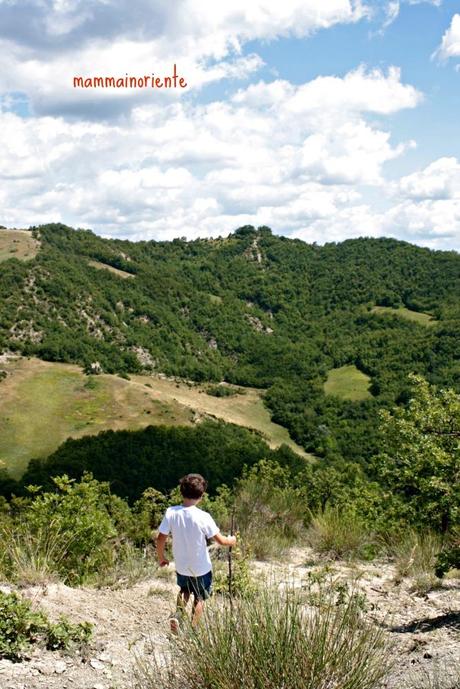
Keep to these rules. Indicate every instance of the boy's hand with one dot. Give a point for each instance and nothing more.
(228, 541)
(164, 563)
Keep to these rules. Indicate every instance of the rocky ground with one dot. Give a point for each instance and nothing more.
(129, 622)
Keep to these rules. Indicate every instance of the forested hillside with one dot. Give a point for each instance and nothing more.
(252, 309)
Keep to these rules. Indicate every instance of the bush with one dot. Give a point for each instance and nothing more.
(20, 627)
(416, 556)
(73, 534)
(272, 640)
(449, 557)
(241, 583)
(340, 533)
(269, 513)
(223, 391)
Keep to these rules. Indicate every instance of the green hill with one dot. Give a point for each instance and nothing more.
(42, 404)
(253, 309)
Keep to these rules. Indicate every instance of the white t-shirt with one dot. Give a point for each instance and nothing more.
(189, 527)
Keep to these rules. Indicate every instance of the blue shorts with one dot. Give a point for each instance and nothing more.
(201, 587)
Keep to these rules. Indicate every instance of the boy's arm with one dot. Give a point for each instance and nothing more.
(229, 541)
(161, 540)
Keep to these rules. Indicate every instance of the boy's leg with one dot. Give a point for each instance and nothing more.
(202, 591)
(183, 598)
(198, 607)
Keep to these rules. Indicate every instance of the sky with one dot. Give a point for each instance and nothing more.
(323, 119)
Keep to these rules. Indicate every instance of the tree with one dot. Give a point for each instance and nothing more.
(420, 464)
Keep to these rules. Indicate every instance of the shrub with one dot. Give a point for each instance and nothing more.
(269, 512)
(20, 626)
(241, 583)
(223, 391)
(449, 557)
(340, 533)
(32, 558)
(415, 556)
(72, 534)
(272, 640)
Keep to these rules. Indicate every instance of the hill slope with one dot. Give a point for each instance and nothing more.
(253, 309)
(42, 404)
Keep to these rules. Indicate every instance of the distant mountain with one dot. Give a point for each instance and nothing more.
(253, 309)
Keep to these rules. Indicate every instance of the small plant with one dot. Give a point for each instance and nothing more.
(416, 556)
(340, 534)
(449, 557)
(20, 626)
(32, 558)
(242, 583)
(223, 391)
(131, 566)
(440, 677)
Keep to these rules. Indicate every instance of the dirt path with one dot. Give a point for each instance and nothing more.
(424, 629)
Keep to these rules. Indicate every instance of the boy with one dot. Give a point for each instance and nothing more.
(190, 527)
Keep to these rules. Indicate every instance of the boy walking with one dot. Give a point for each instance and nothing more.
(190, 527)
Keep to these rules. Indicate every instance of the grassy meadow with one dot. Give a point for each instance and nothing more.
(116, 271)
(17, 244)
(348, 383)
(42, 404)
(402, 312)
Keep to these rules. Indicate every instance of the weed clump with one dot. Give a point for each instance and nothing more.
(271, 639)
(20, 627)
(340, 534)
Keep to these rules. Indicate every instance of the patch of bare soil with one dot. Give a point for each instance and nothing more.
(424, 628)
(130, 622)
(124, 620)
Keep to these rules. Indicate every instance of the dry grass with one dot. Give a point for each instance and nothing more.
(339, 534)
(115, 271)
(415, 557)
(272, 640)
(17, 244)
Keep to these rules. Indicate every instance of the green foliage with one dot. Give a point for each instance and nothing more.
(420, 462)
(341, 534)
(72, 533)
(223, 391)
(265, 326)
(242, 583)
(271, 639)
(20, 626)
(449, 557)
(157, 456)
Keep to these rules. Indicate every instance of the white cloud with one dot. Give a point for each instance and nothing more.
(185, 169)
(96, 38)
(450, 44)
(439, 180)
(434, 223)
(388, 12)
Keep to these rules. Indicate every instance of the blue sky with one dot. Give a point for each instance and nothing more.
(324, 119)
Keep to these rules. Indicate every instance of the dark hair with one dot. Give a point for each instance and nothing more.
(192, 486)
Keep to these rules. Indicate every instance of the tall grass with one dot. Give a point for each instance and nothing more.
(441, 676)
(338, 533)
(415, 556)
(30, 558)
(269, 513)
(272, 640)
